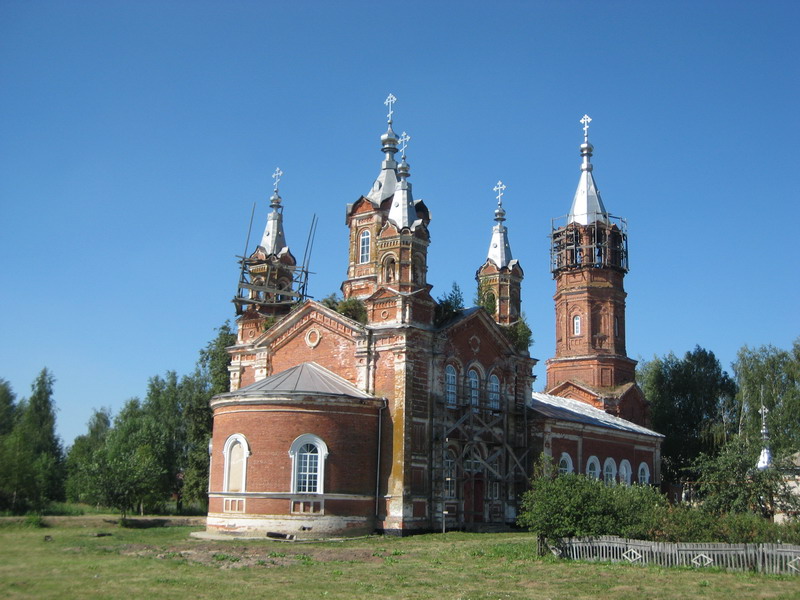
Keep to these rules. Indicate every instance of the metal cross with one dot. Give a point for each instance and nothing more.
(277, 177)
(390, 100)
(586, 120)
(763, 410)
(499, 188)
(404, 139)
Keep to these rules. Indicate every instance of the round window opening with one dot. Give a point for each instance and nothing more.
(313, 337)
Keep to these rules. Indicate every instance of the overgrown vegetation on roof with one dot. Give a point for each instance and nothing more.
(449, 305)
(352, 308)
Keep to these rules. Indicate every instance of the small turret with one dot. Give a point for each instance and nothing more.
(266, 281)
(403, 212)
(500, 277)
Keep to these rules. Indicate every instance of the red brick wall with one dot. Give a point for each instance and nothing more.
(350, 433)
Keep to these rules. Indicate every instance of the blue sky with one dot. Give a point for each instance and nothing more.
(136, 136)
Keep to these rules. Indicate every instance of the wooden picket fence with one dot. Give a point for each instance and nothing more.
(762, 558)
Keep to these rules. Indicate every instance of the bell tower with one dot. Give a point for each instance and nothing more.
(589, 260)
(389, 241)
(500, 277)
(268, 276)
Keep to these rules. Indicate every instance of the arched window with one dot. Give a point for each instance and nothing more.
(565, 464)
(450, 474)
(363, 247)
(625, 472)
(494, 392)
(472, 462)
(609, 471)
(418, 270)
(593, 467)
(389, 269)
(644, 474)
(576, 325)
(308, 454)
(450, 388)
(474, 388)
(257, 294)
(235, 453)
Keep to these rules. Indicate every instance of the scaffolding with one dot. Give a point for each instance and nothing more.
(483, 458)
(603, 243)
(268, 282)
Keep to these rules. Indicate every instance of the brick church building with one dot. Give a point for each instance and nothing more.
(390, 413)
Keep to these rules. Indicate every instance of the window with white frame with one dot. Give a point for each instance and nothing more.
(235, 453)
(308, 453)
(609, 471)
(576, 325)
(494, 392)
(474, 387)
(450, 385)
(625, 472)
(593, 467)
(449, 474)
(565, 464)
(363, 247)
(644, 473)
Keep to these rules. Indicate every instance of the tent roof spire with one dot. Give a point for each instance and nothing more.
(587, 206)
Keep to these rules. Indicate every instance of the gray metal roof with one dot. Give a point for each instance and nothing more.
(499, 247)
(386, 182)
(587, 206)
(307, 378)
(566, 409)
(403, 212)
(273, 240)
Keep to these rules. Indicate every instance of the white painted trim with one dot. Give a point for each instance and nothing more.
(322, 449)
(226, 450)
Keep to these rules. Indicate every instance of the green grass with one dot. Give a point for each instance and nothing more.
(68, 560)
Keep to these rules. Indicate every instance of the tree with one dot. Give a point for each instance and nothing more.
(486, 299)
(32, 472)
(8, 408)
(352, 308)
(730, 483)
(126, 471)
(519, 334)
(167, 430)
(770, 376)
(689, 399)
(210, 378)
(449, 305)
(79, 485)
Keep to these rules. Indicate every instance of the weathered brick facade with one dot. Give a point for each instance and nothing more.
(414, 419)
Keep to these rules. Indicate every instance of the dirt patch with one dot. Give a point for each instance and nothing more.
(238, 556)
(95, 521)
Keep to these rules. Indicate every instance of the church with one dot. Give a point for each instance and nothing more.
(392, 412)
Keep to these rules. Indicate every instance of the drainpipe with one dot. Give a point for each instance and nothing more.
(378, 465)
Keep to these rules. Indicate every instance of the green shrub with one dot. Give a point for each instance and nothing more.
(574, 505)
(35, 520)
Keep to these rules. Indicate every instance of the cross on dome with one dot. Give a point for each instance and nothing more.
(390, 100)
(586, 120)
(499, 188)
(404, 139)
(277, 177)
